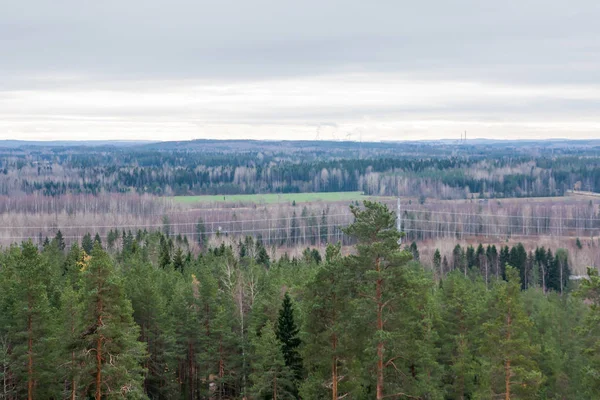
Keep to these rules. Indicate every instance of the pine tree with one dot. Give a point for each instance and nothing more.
(31, 325)
(462, 303)
(70, 315)
(589, 332)
(393, 306)
(287, 333)
(271, 378)
(326, 356)
(151, 314)
(507, 345)
(111, 352)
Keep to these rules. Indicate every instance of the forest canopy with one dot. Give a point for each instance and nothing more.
(147, 319)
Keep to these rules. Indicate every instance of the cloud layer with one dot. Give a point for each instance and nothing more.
(266, 69)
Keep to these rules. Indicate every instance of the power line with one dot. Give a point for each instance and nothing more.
(502, 215)
(171, 224)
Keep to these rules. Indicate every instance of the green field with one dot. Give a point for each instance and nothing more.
(272, 198)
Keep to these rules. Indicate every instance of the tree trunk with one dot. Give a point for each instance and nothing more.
(380, 344)
(334, 372)
(99, 369)
(99, 310)
(73, 381)
(29, 356)
(507, 370)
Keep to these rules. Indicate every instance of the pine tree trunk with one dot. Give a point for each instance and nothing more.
(380, 346)
(191, 369)
(99, 310)
(29, 356)
(99, 369)
(334, 372)
(275, 386)
(221, 369)
(73, 381)
(507, 370)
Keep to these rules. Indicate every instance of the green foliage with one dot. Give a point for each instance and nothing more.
(510, 351)
(87, 244)
(170, 325)
(111, 355)
(271, 378)
(287, 333)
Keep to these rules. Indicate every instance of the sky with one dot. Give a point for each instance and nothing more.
(265, 69)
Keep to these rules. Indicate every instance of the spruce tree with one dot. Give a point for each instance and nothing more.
(287, 333)
(437, 263)
(87, 244)
(178, 261)
(98, 239)
(60, 241)
(111, 353)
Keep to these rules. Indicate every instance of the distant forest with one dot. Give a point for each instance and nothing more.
(442, 170)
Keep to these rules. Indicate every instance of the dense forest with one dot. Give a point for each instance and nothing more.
(145, 318)
(443, 170)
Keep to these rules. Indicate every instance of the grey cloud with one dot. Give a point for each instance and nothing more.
(546, 41)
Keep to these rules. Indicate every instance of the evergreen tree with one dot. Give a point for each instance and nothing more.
(589, 332)
(462, 303)
(508, 347)
(70, 315)
(87, 244)
(201, 234)
(323, 229)
(287, 333)
(30, 325)
(111, 353)
(60, 242)
(559, 271)
(150, 312)
(164, 259)
(414, 250)
(98, 239)
(327, 356)
(393, 306)
(437, 262)
(294, 229)
(271, 378)
(445, 265)
(178, 261)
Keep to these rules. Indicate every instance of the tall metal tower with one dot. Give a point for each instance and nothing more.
(399, 220)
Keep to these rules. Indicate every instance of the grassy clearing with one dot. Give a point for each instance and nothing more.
(272, 198)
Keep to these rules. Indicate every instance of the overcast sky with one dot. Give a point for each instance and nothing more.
(358, 70)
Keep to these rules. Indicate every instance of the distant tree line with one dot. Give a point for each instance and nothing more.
(437, 171)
